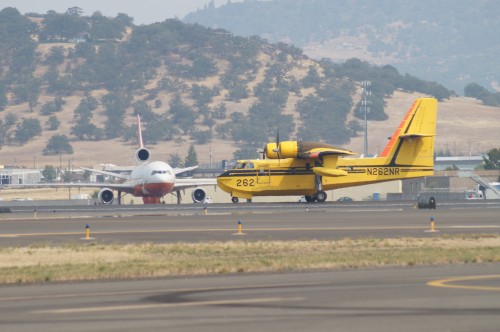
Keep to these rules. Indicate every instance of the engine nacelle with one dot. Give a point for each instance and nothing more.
(198, 195)
(106, 196)
(142, 155)
(287, 149)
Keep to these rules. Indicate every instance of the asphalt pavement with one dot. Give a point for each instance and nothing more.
(464, 298)
(167, 224)
(446, 298)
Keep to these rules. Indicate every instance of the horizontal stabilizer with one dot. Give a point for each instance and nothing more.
(326, 171)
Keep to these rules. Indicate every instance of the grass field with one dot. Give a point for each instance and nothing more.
(91, 261)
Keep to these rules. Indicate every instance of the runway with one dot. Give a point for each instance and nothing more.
(194, 223)
(463, 298)
(446, 298)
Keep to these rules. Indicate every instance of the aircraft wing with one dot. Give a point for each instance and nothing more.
(415, 136)
(322, 152)
(113, 186)
(116, 175)
(181, 184)
(183, 170)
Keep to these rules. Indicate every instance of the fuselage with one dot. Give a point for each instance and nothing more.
(293, 176)
(154, 179)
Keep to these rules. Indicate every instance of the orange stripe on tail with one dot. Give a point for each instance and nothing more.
(394, 137)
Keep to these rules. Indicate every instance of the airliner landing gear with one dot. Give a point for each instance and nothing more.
(320, 196)
(235, 199)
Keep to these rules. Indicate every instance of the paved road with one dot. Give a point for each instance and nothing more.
(465, 298)
(259, 222)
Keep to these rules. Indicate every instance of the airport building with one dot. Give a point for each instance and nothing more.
(10, 176)
(461, 163)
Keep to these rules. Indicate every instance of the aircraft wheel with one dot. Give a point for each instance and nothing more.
(234, 199)
(309, 199)
(320, 196)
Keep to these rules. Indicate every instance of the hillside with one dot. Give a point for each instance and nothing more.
(195, 86)
(462, 123)
(453, 42)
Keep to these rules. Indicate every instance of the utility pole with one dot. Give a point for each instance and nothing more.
(366, 93)
(210, 156)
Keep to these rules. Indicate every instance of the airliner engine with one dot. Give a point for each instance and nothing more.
(198, 195)
(142, 155)
(105, 196)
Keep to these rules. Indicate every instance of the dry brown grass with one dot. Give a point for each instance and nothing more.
(90, 261)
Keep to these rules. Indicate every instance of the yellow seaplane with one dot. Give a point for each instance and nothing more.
(311, 168)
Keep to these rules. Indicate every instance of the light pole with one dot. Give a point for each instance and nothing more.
(365, 91)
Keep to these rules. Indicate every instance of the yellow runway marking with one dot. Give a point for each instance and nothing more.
(248, 229)
(166, 305)
(450, 283)
(204, 230)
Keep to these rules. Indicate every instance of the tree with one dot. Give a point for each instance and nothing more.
(83, 128)
(63, 26)
(27, 129)
(492, 159)
(312, 78)
(191, 158)
(175, 160)
(55, 56)
(102, 27)
(52, 123)
(49, 173)
(220, 111)
(182, 115)
(245, 153)
(476, 91)
(201, 136)
(58, 144)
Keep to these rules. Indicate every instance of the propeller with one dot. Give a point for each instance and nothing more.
(277, 150)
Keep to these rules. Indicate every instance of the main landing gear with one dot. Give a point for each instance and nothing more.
(319, 197)
(235, 199)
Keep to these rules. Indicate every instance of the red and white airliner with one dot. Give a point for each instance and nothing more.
(151, 180)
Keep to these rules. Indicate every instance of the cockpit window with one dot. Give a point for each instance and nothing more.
(245, 165)
(160, 172)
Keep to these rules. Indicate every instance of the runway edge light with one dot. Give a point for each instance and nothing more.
(433, 226)
(240, 229)
(87, 233)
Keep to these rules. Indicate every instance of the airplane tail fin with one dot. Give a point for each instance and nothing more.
(139, 131)
(142, 154)
(413, 142)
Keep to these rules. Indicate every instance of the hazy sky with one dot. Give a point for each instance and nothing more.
(143, 11)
